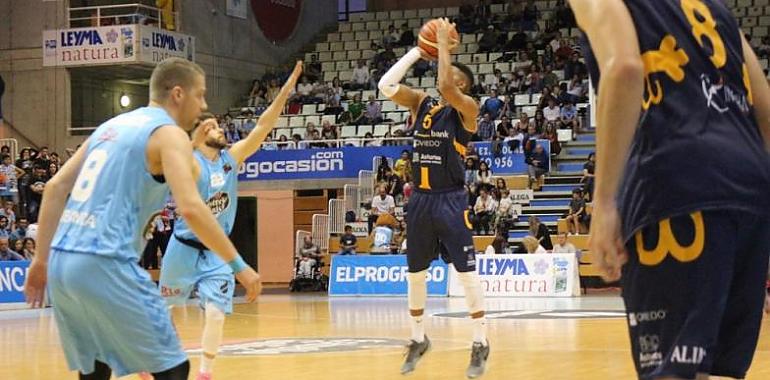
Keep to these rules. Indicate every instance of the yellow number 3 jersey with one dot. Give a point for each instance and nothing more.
(698, 145)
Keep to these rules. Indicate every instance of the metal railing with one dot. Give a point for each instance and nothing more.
(366, 185)
(122, 14)
(276, 145)
(352, 197)
(320, 228)
(336, 216)
(354, 141)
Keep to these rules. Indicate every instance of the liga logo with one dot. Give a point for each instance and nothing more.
(288, 346)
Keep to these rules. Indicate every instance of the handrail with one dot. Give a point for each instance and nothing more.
(134, 10)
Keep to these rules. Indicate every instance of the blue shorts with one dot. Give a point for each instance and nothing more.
(185, 269)
(694, 293)
(111, 311)
(437, 225)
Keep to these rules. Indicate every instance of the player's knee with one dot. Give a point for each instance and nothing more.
(214, 314)
(418, 289)
(474, 297)
(417, 277)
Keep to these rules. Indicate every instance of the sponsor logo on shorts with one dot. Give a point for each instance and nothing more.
(471, 252)
(688, 354)
(650, 359)
(169, 292)
(649, 343)
(543, 314)
(270, 347)
(635, 319)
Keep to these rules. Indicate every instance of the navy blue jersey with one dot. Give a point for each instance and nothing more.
(698, 145)
(440, 142)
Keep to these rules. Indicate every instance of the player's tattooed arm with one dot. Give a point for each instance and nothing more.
(267, 121)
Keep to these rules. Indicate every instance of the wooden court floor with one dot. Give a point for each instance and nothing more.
(315, 337)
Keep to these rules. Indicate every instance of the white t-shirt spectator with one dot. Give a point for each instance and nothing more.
(552, 114)
(489, 204)
(361, 75)
(305, 89)
(566, 248)
(506, 203)
(383, 205)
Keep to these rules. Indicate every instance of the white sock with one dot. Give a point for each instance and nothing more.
(480, 330)
(212, 337)
(418, 329)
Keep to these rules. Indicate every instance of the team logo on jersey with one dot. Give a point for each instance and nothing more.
(719, 96)
(108, 135)
(217, 180)
(218, 203)
(271, 347)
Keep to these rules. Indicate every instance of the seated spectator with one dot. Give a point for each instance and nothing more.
(382, 235)
(576, 213)
(533, 83)
(545, 98)
(540, 232)
(382, 203)
(550, 79)
(6, 254)
(308, 255)
(21, 229)
(356, 109)
(9, 174)
(538, 164)
(470, 172)
(522, 125)
(478, 86)
(484, 176)
(562, 246)
(517, 42)
(361, 78)
(248, 126)
(383, 170)
(403, 166)
(532, 245)
(53, 168)
(391, 37)
(500, 186)
(257, 94)
(552, 113)
(272, 90)
(17, 246)
(574, 67)
(492, 105)
(407, 36)
(551, 135)
(588, 176)
(29, 249)
(333, 107)
(488, 40)
(486, 128)
(305, 93)
(484, 210)
(564, 52)
(268, 144)
(373, 112)
(569, 119)
(498, 246)
(35, 191)
(25, 160)
(336, 89)
(369, 140)
(296, 139)
(505, 128)
(515, 85)
(5, 228)
(8, 212)
(313, 69)
(577, 90)
(328, 131)
(348, 242)
(504, 212)
(399, 238)
(395, 185)
(283, 143)
(310, 131)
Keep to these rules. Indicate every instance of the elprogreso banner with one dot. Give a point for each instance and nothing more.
(12, 276)
(343, 162)
(380, 275)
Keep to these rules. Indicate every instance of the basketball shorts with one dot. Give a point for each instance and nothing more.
(694, 292)
(111, 311)
(185, 269)
(438, 223)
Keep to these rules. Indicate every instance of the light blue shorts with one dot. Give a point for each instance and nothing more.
(185, 269)
(111, 311)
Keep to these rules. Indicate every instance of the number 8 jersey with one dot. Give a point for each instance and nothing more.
(698, 146)
(114, 196)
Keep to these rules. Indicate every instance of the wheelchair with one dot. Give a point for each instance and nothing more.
(315, 281)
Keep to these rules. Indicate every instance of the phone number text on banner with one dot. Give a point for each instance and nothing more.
(12, 276)
(533, 275)
(381, 276)
(506, 162)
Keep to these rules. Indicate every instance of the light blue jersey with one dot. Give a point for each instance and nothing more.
(382, 239)
(107, 308)
(115, 195)
(218, 185)
(187, 265)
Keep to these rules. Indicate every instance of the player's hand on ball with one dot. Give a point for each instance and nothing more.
(605, 241)
(444, 28)
(252, 282)
(34, 286)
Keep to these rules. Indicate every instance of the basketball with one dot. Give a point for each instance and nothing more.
(427, 40)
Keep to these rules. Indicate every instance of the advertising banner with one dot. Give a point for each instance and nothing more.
(12, 276)
(159, 44)
(533, 275)
(380, 276)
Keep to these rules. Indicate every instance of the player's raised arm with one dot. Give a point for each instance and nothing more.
(173, 146)
(759, 91)
(267, 121)
(460, 101)
(54, 200)
(402, 94)
(611, 31)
